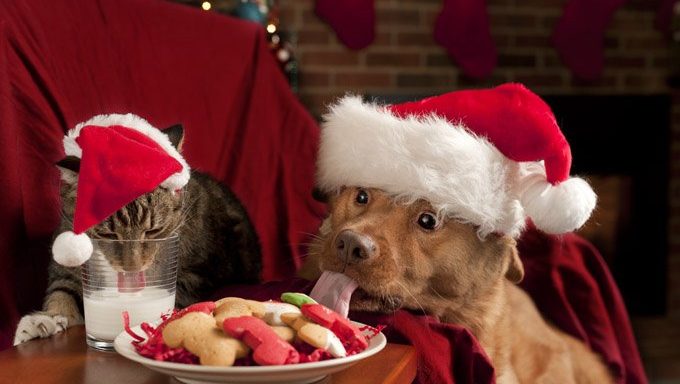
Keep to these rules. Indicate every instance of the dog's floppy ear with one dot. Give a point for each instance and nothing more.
(515, 272)
(515, 269)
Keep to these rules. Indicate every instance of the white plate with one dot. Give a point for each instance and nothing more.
(293, 373)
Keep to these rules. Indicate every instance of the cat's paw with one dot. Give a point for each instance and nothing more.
(39, 325)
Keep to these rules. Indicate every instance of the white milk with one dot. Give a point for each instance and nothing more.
(104, 312)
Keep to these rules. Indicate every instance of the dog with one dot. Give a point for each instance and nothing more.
(404, 255)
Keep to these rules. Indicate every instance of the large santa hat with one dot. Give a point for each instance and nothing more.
(122, 157)
(489, 157)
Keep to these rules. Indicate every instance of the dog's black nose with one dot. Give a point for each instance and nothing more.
(354, 247)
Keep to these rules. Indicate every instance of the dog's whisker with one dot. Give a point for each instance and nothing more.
(309, 244)
(412, 296)
(315, 236)
(437, 293)
(416, 300)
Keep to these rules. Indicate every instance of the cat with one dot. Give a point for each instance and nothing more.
(217, 243)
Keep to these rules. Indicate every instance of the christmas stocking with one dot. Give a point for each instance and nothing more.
(664, 16)
(579, 35)
(462, 27)
(352, 20)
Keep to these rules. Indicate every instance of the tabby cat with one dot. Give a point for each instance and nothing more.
(217, 243)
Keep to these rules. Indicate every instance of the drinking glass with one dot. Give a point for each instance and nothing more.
(137, 276)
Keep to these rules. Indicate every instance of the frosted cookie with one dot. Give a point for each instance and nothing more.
(347, 332)
(297, 299)
(273, 311)
(314, 334)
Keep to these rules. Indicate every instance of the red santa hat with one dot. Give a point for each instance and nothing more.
(489, 157)
(122, 157)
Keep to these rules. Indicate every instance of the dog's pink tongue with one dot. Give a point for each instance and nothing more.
(131, 281)
(334, 290)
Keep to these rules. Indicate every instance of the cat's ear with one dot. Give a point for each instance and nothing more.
(176, 135)
(69, 167)
(69, 163)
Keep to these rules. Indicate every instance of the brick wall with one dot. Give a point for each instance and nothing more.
(404, 60)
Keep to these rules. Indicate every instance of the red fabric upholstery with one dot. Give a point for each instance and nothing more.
(572, 287)
(63, 61)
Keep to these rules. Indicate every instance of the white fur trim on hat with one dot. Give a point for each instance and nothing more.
(71, 250)
(132, 121)
(460, 174)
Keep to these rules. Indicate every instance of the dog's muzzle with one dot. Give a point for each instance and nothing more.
(355, 247)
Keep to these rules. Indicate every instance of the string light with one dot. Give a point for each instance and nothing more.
(206, 5)
(271, 28)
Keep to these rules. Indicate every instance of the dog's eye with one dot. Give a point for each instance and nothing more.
(362, 197)
(427, 221)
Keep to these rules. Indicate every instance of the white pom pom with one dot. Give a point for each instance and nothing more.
(71, 250)
(558, 208)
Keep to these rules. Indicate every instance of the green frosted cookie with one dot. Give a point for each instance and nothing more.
(297, 299)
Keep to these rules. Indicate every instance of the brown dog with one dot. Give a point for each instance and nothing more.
(404, 255)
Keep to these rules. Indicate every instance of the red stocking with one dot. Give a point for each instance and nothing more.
(462, 28)
(352, 20)
(579, 35)
(664, 16)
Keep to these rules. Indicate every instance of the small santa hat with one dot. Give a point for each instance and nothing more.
(489, 157)
(122, 157)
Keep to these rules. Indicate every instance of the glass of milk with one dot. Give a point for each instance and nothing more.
(137, 276)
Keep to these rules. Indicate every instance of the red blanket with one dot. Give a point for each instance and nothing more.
(567, 279)
(64, 61)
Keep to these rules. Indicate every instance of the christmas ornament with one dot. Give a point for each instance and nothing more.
(266, 13)
(490, 157)
(122, 157)
(253, 10)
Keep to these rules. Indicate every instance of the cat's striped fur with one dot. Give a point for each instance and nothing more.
(217, 243)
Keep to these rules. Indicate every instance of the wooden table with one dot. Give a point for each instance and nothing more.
(65, 359)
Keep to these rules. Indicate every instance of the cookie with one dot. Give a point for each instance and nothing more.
(314, 334)
(236, 307)
(268, 348)
(196, 332)
(297, 299)
(273, 311)
(347, 332)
